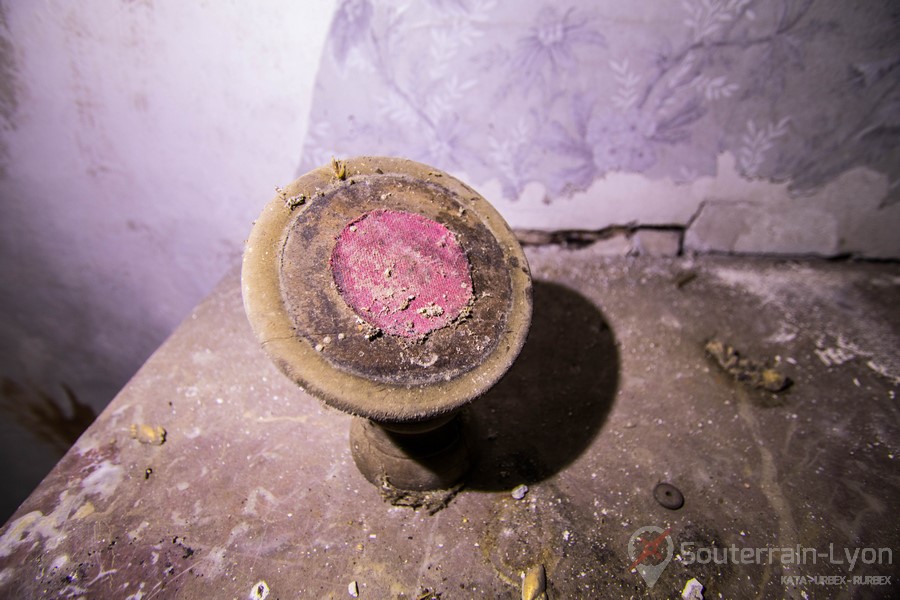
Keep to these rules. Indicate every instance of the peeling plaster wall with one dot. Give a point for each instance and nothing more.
(727, 212)
(761, 126)
(139, 139)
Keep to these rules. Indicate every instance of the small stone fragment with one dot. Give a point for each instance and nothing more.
(745, 370)
(370, 332)
(260, 591)
(353, 589)
(534, 583)
(519, 492)
(293, 202)
(431, 311)
(148, 434)
(406, 302)
(693, 590)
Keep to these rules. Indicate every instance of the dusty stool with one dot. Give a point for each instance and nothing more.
(394, 292)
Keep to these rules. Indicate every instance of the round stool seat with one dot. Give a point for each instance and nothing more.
(388, 289)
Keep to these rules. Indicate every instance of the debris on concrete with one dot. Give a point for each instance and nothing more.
(353, 589)
(519, 492)
(432, 501)
(745, 370)
(693, 590)
(843, 352)
(260, 591)
(683, 278)
(583, 441)
(154, 435)
(534, 583)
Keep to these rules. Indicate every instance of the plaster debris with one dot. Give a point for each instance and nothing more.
(693, 590)
(260, 591)
(883, 371)
(353, 589)
(745, 370)
(293, 202)
(290, 202)
(103, 480)
(432, 501)
(154, 435)
(35, 527)
(843, 352)
(534, 583)
(519, 492)
(785, 334)
(431, 311)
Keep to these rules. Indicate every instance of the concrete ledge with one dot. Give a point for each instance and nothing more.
(252, 492)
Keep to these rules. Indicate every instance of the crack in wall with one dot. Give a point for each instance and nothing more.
(583, 238)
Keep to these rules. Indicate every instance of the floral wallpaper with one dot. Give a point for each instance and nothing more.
(562, 94)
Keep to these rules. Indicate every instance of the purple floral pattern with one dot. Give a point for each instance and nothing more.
(564, 94)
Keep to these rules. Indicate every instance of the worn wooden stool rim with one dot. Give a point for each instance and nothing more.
(304, 364)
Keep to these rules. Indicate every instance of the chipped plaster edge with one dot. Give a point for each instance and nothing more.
(725, 213)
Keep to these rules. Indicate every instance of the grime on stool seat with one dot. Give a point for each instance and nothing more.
(401, 272)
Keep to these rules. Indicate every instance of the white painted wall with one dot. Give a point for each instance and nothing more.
(145, 138)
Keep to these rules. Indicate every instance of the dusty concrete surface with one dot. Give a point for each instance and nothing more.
(251, 492)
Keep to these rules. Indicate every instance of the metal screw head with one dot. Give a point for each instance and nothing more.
(668, 496)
